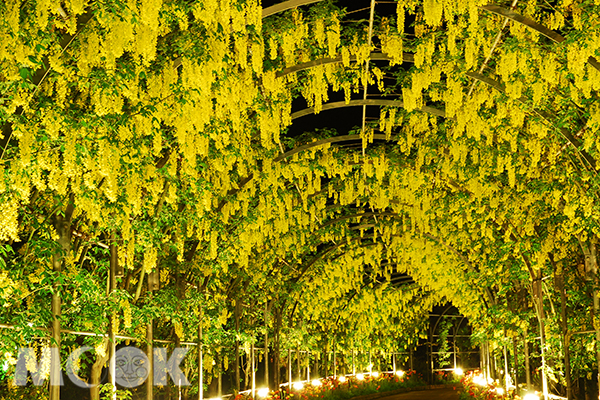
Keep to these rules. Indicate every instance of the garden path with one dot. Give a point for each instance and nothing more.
(436, 394)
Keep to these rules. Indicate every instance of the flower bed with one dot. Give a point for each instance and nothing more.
(475, 387)
(343, 388)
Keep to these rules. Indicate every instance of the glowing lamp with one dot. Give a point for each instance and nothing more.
(360, 377)
(316, 382)
(264, 392)
(400, 374)
(298, 385)
(342, 378)
(458, 371)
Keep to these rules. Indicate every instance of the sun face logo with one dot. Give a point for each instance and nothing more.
(131, 367)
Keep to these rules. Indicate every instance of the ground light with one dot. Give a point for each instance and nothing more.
(400, 374)
(298, 385)
(500, 391)
(375, 374)
(531, 396)
(342, 378)
(458, 371)
(264, 392)
(316, 382)
(360, 377)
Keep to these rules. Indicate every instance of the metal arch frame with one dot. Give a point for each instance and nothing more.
(323, 254)
(367, 102)
(326, 252)
(539, 28)
(432, 333)
(374, 56)
(571, 139)
(286, 5)
(336, 139)
(407, 57)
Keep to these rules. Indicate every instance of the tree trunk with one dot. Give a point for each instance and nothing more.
(591, 272)
(560, 286)
(61, 225)
(96, 372)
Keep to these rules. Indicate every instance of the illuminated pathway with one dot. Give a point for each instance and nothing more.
(436, 394)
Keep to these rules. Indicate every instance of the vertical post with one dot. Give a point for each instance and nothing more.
(454, 346)
(482, 360)
(538, 295)
(506, 374)
(200, 356)
(560, 284)
(516, 364)
(488, 362)
(592, 274)
(370, 362)
(394, 363)
(326, 360)
(353, 361)
(597, 328)
(113, 318)
(150, 354)
(527, 368)
(220, 375)
(308, 366)
(266, 344)
(334, 361)
(290, 369)
(253, 371)
(236, 385)
(410, 359)
(298, 363)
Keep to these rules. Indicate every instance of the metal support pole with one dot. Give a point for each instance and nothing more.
(597, 329)
(353, 362)
(454, 345)
(220, 376)
(506, 374)
(266, 344)
(200, 356)
(516, 364)
(527, 367)
(290, 369)
(253, 371)
(114, 321)
(150, 355)
(308, 366)
(298, 363)
(334, 361)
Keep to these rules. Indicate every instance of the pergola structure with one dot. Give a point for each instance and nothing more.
(308, 176)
